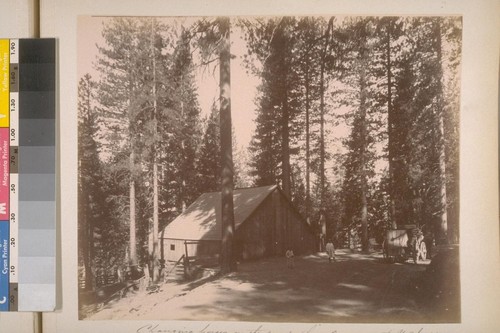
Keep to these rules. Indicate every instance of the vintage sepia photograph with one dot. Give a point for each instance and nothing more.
(296, 169)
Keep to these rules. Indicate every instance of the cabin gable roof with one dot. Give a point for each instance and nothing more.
(201, 220)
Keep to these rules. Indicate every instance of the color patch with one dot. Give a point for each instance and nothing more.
(4, 82)
(4, 174)
(33, 158)
(4, 265)
(30, 213)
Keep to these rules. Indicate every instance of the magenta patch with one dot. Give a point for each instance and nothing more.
(4, 174)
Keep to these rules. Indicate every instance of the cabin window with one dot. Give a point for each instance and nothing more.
(172, 247)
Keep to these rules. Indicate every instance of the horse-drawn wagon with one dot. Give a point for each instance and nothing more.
(404, 243)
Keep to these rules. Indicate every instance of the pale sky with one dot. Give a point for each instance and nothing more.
(243, 90)
(243, 84)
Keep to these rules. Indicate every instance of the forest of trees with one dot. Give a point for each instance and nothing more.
(356, 120)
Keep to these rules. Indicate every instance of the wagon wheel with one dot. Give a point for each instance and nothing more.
(420, 252)
(423, 251)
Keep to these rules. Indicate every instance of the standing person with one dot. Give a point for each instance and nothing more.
(330, 250)
(322, 230)
(289, 258)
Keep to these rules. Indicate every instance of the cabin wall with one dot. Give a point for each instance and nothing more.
(272, 229)
(304, 238)
(173, 249)
(291, 230)
(279, 228)
(254, 238)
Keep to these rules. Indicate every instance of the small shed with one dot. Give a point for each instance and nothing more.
(267, 224)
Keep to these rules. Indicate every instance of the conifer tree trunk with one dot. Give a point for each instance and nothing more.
(88, 244)
(156, 255)
(322, 121)
(228, 260)
(322, 135)
(443, 226)
(84, 210)
(132, 227)
(133, 248)
(308, 148)
(322, 150)
(363, 151)
(132, 213)
(183, 147)
(281, 45)
(390, 129)
(285, 144)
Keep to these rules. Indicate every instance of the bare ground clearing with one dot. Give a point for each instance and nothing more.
(356, 288)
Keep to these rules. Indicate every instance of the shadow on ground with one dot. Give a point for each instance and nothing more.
(356, 288)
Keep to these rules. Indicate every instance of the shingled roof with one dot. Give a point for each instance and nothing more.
(202, 219)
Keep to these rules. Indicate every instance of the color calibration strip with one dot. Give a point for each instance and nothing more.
(5, 239)
(27, 175)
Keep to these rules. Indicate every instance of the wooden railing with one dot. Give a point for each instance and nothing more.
(174, 266)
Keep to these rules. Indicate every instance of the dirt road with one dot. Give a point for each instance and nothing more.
(355, 288)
